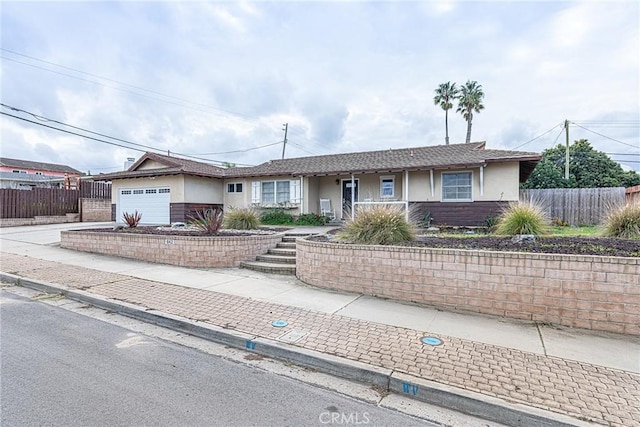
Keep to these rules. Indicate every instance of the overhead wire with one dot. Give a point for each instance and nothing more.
(537, 137)
(108, 142)
(237, 151)
(605, 136)
(119, 83)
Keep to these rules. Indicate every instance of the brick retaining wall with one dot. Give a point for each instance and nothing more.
(95, 210)
(39, 220)
(592, 292)
(185, 251)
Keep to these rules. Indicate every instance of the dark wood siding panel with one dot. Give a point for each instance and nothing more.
(113, 212)
(456, 214)
(183, 212)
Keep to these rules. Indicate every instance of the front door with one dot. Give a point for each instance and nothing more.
(347, 188)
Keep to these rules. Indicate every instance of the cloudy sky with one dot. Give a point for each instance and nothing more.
(217, 80)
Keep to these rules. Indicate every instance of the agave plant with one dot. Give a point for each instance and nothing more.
(132, 220)
(209, 220)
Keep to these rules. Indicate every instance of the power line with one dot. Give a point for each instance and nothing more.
(107, 142)
(41, 118)
(237, 151)
(128, 85)
(537, 137)
(605, 136)
(300, 147)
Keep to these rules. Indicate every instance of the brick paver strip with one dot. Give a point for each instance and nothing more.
(604, 395)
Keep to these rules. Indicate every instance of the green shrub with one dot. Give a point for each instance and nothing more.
(276, 217)
(523, 218)
(378, 225)
(311, 219)
(132, 220)
(209, 220)
(491, 222)
(622, 222)
(242, 219)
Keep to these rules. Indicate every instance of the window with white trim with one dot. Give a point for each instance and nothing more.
(387, 187)
(275, 192)
(234, 187)
(457, 186)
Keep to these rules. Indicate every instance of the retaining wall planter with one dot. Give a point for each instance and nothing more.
(39, 220)
(184, 251)
(591, 292)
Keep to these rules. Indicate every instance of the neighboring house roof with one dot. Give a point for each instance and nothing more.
(40, 166)
(392, 160)
(23, 177)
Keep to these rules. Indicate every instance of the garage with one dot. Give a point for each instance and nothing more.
(151, 203)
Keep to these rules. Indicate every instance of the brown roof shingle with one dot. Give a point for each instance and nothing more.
(437, 156)
(397, 159)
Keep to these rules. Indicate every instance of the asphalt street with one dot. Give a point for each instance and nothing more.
(61, 368)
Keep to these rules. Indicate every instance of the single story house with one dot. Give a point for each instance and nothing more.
(457, 184)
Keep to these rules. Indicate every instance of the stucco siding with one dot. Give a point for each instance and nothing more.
(237, 200)
(501, 182)
(419, 186)
(151, 164)
(202, 190)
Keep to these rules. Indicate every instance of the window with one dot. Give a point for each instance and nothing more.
(18, 171)
(275, 192)
(138, 191)
(282, 195)
(164, 190)
(268, 192)
(387, 186)
(39, 173)
(125, 191)
(150, 191)
(234, 187)
(456, 186)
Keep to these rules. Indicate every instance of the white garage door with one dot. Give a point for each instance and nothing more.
(151, 203)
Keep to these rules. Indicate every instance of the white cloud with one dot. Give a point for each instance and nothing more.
(345, 76)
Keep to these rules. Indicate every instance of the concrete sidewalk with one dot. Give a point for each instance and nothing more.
(584, 375)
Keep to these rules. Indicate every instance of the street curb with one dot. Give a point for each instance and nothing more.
(471, 403)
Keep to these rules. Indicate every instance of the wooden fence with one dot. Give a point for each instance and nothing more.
(576, 206)
(633, 194)
(37, 202)
(95, 190)
(16, 203)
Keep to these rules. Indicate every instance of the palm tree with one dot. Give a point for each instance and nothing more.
(470, 101)
(445, 94)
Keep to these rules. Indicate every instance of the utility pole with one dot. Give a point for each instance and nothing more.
(285, 129)
(566, 156)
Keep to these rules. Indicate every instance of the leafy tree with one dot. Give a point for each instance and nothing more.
(588, 168)
(445, 94)
(470, 101)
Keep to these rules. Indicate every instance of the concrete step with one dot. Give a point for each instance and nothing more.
(290, 238)
(276, 259)
(286, 245)
(280, 251)
(267, 267)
